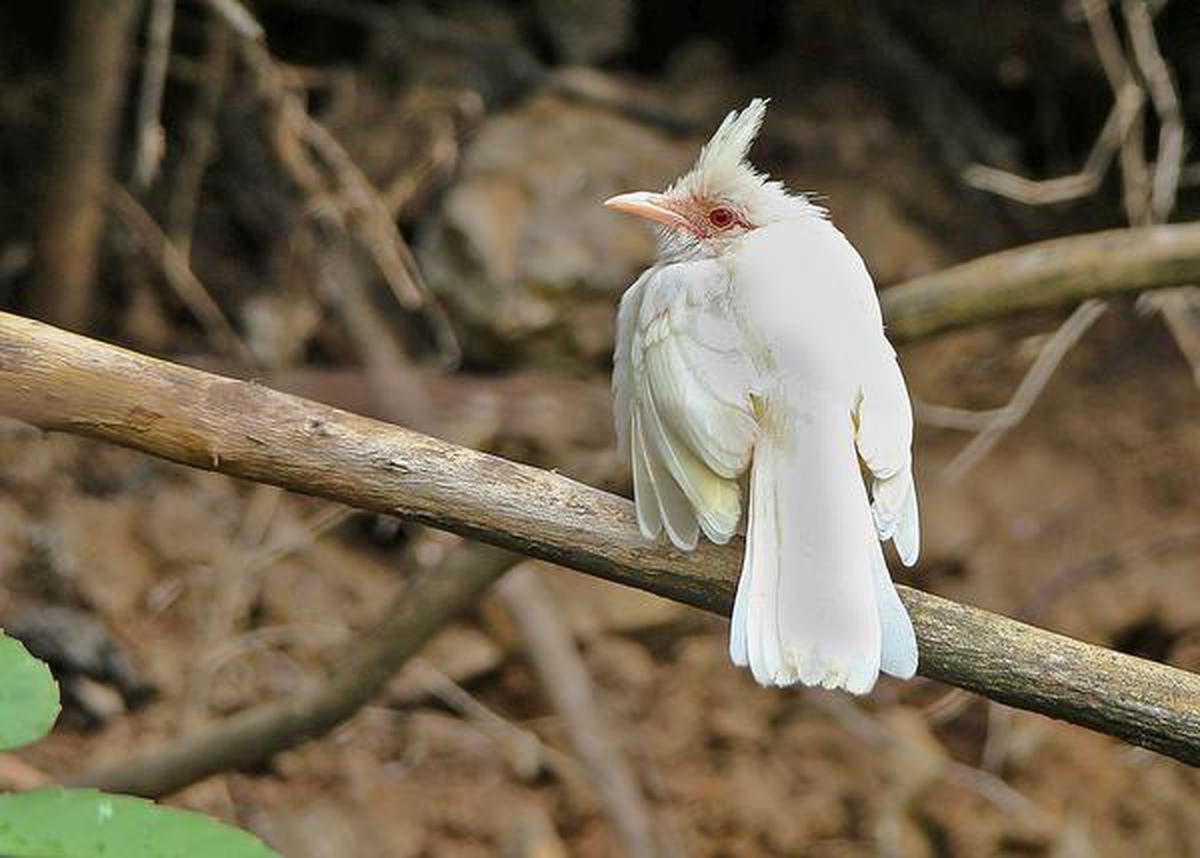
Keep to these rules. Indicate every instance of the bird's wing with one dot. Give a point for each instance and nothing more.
(884, 436)
(682, 386)
(623, 381)
(883, 415)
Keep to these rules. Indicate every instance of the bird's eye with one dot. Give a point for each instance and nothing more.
(721, 217)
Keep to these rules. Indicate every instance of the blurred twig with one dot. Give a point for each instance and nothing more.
(179, 276)
(255, 735)
(315, 527)
(1049, 357)
(1119, 73)
(1180, 309)
(1119, 133)
(199, 137)
(395, 387)
(1168, 159)
(440, 158)
(57, 380)
(1126, 108)
(229, 598)
(238, 17)
(948, 417)
(235, 583)
(526, 753)
(95, 44)
(564, 678)
(150, 143)
(986, 784)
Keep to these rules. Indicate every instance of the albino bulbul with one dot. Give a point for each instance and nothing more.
(755, 345)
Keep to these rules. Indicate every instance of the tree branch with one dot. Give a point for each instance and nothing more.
(255, 735)
(57, 380)
(70, 217)
(564, 678)
(1056, 273)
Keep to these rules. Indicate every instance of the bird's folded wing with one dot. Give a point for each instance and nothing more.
(683, 385)
(623, 381)
(884, 438)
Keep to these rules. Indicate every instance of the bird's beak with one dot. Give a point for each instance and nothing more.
(655, 207)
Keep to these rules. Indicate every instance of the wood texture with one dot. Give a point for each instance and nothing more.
(61, 381)
(1061, 272)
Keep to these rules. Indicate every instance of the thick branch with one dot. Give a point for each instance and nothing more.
(1056, 273)
(58, 380)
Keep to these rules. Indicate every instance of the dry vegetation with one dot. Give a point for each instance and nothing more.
(392, 208)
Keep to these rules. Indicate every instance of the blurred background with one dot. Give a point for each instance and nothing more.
(394, 208)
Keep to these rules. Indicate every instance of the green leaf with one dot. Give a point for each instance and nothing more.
(85, 823)
(28, 696)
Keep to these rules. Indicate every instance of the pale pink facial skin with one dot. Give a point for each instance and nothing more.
(696, 217)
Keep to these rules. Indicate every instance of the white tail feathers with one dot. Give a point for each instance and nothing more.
(815, 603)
(898, 641)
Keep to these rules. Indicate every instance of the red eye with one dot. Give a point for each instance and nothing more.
(721, 217)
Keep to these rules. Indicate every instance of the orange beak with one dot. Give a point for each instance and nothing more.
(655, 207)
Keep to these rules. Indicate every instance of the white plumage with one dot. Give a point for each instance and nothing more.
(755, 347)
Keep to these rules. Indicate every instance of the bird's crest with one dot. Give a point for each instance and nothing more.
(722, 169)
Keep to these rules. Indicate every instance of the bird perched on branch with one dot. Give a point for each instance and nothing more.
(754, 346)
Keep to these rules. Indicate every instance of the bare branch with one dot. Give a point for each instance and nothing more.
(1058, 273)
(96, 44)
(1127, 107)
(179, 276)
(949, 417)
(238, 17)
(1180, 309)
(255, 735)
(150, 136)
(527, 754)
(1168, 159)
(1135, 172)
(231, 592)
(988, 785)
(1027, 392)
(61, 381)
(564, 678)
(199, 136)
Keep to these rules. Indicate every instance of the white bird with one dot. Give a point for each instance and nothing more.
(755, 346)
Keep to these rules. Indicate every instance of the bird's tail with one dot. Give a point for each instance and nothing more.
(815, 603)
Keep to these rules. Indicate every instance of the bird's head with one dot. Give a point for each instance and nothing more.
(722, 198)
